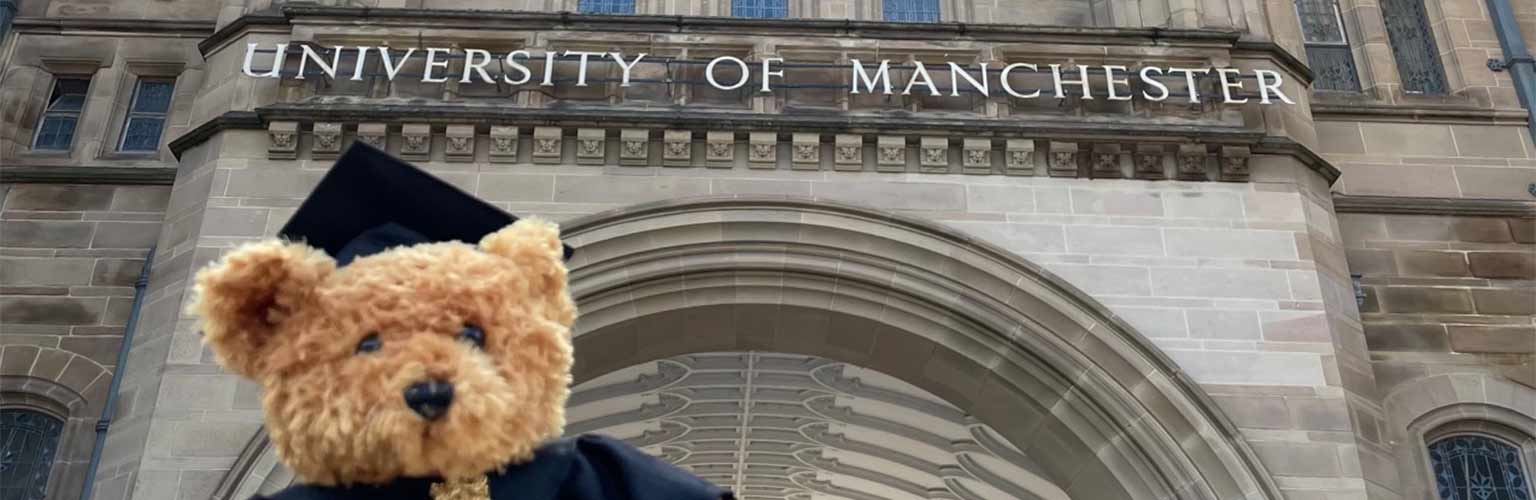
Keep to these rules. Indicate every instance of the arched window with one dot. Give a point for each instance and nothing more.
(912, 11)
(1322, 31)
(606, 6)
(1475, 467)
(28, 439)
(1413, 46)
(772, 9)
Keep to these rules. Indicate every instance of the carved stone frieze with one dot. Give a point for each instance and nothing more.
(1020, 158)
(1234, 163)
(762, 151)
(634, 147)
(848, 154)
(503, 144)
(1149, 162)
(1063, 159)
(720, 149)
(283, 140)
(416, 141)
(1192, 159)
(590, 144)
(546, 145)
(978, 156)
(327, 141)
(933, 156)
(459, 143)
(891, 154)
(805, 151)
(1106, 161)
(677, 148)
(373, 134)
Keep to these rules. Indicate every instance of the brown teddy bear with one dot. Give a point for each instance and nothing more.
(428, 370)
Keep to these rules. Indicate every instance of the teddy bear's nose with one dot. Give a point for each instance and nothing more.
(429, 399)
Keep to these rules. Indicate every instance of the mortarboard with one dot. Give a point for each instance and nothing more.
(371, 201)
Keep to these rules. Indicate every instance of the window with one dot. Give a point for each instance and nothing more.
(760, 8)
(1322, 31)
(29, 439)
(1474, 467)
(1413, 45)
(913, 11)
(606, 6)
(146, 116)
(56, 131)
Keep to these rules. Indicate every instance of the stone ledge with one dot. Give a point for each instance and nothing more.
(1404, 205)
(24, 174)
(39, 25)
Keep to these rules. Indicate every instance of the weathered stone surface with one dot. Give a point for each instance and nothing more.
(1431, 263)
(116, 272)
(1520, 301)
(59, 197)
(141, 198)
(1416, 337)
(1223, 324)
(46, 234)
(129, 234)
(1503, 265)
(1493, 339)
(101, 349)
(65, 271)
(1424, 299)
(52, 310)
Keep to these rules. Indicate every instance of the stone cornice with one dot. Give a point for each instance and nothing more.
(236, 120)
(1371, 111)
(239, 25)
(51, 174)
(1403, 205)
(158, 27)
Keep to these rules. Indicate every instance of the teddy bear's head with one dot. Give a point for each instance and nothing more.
(440, 359)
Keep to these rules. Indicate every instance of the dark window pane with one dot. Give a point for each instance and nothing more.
(1320, 21)
(760, 8)
(1334, 68)
(153, 96)
(607, 6)
(68, 94)
(55, 133)
(916, 11)
(142, 133)
(27, 443)
(1413, 45)
(1478, 468)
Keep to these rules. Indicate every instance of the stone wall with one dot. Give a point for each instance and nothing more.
(69, 257)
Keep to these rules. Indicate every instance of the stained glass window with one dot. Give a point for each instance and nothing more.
(56, 131)
(606, 6)
(912, 11)
(1413, 46)
(1470, 467)
(1322, 31)
(28, 440)
(146, 117)
(760, 8)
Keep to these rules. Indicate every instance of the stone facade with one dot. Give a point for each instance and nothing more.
(1142, 300)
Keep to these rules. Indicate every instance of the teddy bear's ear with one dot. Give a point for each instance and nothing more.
(534, 245)
(243, 298)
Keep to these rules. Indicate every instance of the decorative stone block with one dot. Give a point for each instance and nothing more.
(416, 141)
(1234, 163)
(1106, 161)
(677, 148)
(503, 144)
(720, 149)
(849, 153)
(1149, 162)
(283, 140)
(934, 155)
(327, 141)
(1021, 157)
(978, 156)
(762, 151)
(1063, 159)
(1192, 162)
(891, 154)
(546, 145)
(805, 151)
(459, 143)
(373, 134)
(590, 144)
(634, 147)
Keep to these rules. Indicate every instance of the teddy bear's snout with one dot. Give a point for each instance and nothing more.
(430, 399)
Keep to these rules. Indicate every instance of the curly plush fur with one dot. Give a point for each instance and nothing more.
(283, 314)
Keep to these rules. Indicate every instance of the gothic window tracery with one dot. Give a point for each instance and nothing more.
(1476, 467)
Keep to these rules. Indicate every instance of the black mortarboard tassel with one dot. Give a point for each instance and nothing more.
(371, 201)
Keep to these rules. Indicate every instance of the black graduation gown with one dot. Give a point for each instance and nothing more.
(588, 467)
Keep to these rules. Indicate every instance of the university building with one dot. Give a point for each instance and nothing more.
(1134, 283)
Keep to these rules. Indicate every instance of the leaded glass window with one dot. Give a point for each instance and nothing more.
(56, 130)
(28, 440)
(1322, 31)
(606, 6)
(146, 116)
(912, 11)
(1413, 45)
(760, 8)
(1470, 467)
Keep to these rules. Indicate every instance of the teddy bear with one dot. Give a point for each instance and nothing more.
(432, 370)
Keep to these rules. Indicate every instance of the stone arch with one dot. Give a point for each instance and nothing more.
(66, 386)
(1424, 409)
(1055, 373)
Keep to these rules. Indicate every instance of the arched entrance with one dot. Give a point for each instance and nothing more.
(1097, 409)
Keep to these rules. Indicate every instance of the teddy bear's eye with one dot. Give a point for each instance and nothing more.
(473, 334)
(369, 344)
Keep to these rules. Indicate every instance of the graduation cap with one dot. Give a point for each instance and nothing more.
(371, 201)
